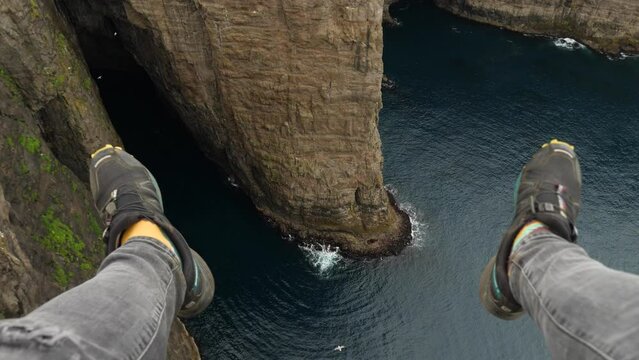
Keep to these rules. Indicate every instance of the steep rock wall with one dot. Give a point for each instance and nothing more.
(609, 26)
(45, 71)
(284, 94)
(51, 118)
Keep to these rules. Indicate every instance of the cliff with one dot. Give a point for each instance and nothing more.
(283, 94)
(609, 26)
(51, 118)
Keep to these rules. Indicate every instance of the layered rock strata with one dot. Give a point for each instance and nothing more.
(51, 118)
(609, 26)
(285, 94)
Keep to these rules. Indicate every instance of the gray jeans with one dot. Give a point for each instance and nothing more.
(124, 312)
(584, 309)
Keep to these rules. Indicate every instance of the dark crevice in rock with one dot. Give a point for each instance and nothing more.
(56, 130)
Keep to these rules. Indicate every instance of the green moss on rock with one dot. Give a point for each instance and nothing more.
(60, 238)
(30, 143)
(47, 164)
(23, 168)
(95, 226)
(66, 246)
(61, 276)
(10, 83)
(61, 43)
(86, 83)
(10, 143)
(30, 195)
(35, 9)
(58, 81)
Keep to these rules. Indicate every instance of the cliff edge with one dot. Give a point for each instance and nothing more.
(609, 26)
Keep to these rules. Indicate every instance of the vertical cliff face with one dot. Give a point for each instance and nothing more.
(284, 94)
(609, 26)
(45, 72)
(51, 118)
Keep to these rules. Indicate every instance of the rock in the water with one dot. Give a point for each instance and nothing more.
(388, 18)
(284, 94)
(609, 26)
(388, 84)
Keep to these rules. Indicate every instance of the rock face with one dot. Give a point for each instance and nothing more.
(44, 71)
(284, 94)
(609, 26)
(51, 118)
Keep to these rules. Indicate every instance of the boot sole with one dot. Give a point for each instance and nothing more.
(486, 295)
(208, 289)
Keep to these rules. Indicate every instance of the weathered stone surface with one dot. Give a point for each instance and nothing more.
(49, 110)
(609, 26)
(44, 70)
(284, 94)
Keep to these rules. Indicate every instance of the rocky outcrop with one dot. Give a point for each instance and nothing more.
(387, 17)
(51, 118)
(609, 26)
(284, 94)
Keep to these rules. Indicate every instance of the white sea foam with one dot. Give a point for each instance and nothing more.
(568, 43)
(622, 56)
(417, 224)
(322, 257)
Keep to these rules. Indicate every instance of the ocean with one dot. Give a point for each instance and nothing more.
(472, 103)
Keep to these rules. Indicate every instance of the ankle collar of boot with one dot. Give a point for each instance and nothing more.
(122, 221)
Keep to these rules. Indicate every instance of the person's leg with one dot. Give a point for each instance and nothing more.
(584, 309)
(124, 312)
(150, 274)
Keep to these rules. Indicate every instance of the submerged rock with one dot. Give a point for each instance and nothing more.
(609, 26)
(284, 95)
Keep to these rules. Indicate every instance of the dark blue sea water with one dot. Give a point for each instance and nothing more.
(473, 103)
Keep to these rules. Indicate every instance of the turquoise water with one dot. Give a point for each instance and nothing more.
(473, 102)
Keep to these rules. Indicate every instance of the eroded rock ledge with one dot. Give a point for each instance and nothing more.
(609, 26)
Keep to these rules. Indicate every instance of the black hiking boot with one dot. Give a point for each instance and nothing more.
(548, 190)
(124, 192)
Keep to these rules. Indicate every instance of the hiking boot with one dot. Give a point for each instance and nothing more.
(124, 192)
(547, 190)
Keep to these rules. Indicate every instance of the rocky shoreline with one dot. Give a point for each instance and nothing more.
(607, 26)
(375, 246)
